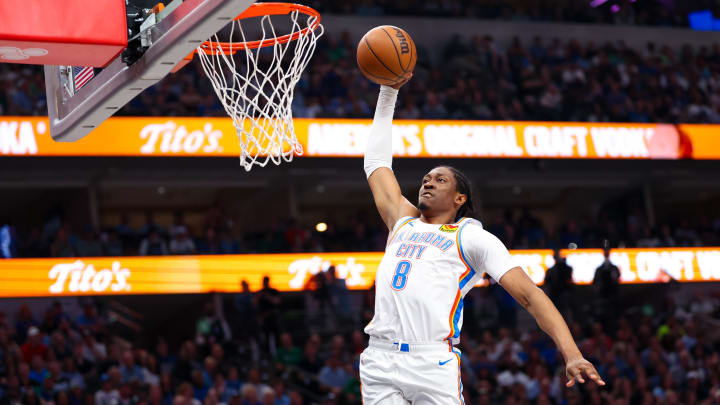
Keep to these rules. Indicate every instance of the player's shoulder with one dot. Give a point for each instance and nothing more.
(473, 223)
(472, 229)
(402, 221)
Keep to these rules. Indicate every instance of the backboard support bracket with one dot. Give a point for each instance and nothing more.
(181, 28)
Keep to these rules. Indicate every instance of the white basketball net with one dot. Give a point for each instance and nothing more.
(257, 93)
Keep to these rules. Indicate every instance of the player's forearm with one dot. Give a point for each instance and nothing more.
(379, 145)
(552, 323)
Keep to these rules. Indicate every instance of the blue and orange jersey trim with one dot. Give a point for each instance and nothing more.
(469, 271)
(460, 386)
(405, 222)
(465, 277)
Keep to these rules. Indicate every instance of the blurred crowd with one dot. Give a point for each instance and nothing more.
(552, 81)
(245, 351)
(215, 232)
(648, 12)
(523, 230)
(477, 79)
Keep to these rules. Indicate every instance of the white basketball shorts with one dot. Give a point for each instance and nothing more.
(410, 373)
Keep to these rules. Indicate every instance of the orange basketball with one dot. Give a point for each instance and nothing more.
(386, 55)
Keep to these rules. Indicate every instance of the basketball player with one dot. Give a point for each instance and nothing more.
(434, 256)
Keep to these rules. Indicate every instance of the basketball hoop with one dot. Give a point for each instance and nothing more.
(256, 86)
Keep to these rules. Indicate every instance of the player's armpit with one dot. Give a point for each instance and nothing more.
(390, 202)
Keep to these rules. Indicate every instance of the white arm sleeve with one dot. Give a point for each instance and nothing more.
(485, 253)
(379, 145)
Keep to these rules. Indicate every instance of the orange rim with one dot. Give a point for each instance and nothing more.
(259, 10)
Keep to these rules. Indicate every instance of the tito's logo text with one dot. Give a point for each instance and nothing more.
(172, 138)
(78, 277)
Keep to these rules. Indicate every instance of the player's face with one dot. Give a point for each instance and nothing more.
(438, 191)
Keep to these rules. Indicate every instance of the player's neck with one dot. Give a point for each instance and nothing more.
(442, 218)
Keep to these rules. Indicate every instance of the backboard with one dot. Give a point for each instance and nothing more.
(163, 40)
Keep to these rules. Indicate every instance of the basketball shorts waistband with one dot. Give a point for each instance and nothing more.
(409, 347)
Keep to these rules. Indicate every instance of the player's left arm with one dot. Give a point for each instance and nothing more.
(533, 299)
(487, 254)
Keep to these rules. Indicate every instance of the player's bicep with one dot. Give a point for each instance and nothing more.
(408, 209)
(388, 197)
(518, 284)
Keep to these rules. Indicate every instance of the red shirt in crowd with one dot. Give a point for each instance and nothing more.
(30, 350)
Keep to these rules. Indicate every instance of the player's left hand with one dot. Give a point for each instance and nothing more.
(575, 368)
(402, 83)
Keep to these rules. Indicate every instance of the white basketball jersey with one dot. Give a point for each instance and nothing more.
(425, 273)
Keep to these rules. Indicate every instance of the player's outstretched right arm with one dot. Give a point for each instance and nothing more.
(378, 162)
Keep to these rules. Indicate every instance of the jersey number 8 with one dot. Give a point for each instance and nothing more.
(399, 279)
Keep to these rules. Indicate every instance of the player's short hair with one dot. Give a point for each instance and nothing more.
(463, 185)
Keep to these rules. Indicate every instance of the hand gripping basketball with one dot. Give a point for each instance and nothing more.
(402, 83)
(387, 55)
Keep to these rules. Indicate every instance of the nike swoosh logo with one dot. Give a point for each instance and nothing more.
(442, 363)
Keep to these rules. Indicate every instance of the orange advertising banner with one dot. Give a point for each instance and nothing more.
(207, 137)
(291, 272)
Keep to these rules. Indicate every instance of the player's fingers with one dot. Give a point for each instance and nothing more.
(402, 82)
(593, 375)
(577, 374)
(572, 375)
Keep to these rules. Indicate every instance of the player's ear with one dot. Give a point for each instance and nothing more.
(460, 199)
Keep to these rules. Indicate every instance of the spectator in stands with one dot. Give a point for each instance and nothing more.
(267, 301)
(210, 244)
(107, 395)
(113, 244)
(150, 226)
(339, 295)
(61, 246)
(606, 283)
(250, 395)
(200, 386)
(254, 381)
(53, 316)
(246, 311)
(288, 354)
(333, 376)
(131, 372)
(89, 245)
(124, 230)
(178, 226)
(34, 347)
(184, 395)
(319, 290)
(228, 245)
(153, 245)
(24, 321)
(648, 239)
(60, 347)
(310, 362)
(181, 243)
(38, 371)
(92, 350)
(233, 384)
(216, 219)
(559, 285)
(212, 326)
